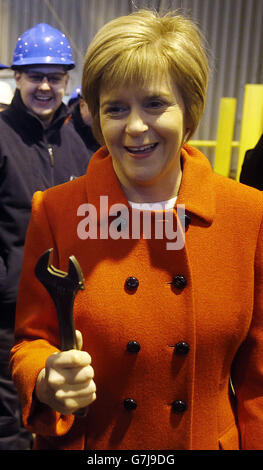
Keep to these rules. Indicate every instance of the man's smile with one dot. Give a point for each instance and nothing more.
(43, 98)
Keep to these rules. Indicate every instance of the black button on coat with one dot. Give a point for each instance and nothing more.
(182, 348)
(131, 284)
(179, 281)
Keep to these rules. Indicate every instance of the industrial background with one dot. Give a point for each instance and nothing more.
(233, 29)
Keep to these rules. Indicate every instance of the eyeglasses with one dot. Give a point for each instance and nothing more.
(38, 77)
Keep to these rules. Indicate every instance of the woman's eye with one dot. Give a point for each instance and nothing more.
(115, 109)
(156, 104)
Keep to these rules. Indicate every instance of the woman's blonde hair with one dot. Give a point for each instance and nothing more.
(133, 49)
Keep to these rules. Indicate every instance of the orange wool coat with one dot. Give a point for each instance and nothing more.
(183, 396)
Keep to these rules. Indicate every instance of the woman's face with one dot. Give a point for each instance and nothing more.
(144, 129)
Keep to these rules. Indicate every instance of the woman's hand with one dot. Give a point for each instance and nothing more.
(66, 383)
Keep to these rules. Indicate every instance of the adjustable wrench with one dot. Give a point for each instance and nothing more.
(62, 287)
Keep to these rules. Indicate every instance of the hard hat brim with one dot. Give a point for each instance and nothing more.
(42, 60)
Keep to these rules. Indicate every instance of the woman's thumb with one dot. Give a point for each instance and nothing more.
(79, 339)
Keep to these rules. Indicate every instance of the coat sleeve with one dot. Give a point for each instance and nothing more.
(36, 330)
(247, 373)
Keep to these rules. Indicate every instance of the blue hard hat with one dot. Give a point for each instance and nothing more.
(42, 44)
(75, 94)
(2, 66)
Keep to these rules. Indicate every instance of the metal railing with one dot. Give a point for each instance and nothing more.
(250, 132)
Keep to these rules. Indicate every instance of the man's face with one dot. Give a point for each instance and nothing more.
(42, 88)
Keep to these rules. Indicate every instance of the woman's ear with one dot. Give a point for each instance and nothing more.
(187, 134)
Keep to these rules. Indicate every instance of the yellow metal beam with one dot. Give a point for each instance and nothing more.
(210, 143)
(225, 131)
(203, 143)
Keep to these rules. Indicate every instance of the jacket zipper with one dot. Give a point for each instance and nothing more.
(51, 155)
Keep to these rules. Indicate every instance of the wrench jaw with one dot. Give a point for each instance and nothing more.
(43, 264)
(74, 272)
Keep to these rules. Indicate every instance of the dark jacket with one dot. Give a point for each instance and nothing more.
(31, 158)
(252, 168)
(83, 129)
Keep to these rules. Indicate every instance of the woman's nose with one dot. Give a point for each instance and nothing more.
(136, 124)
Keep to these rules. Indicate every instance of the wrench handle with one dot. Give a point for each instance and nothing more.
(64, 307)
(68, 340)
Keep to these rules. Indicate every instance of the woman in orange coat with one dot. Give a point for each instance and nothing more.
(171, 317)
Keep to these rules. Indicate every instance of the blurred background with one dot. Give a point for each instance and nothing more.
(233, 29)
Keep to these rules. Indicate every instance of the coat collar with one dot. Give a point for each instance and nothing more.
(196, 190)
(197, 186)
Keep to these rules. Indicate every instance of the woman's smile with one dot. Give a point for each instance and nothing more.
(141, 151)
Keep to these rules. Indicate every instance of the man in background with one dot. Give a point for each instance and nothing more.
(82, 120)
(37, 150)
